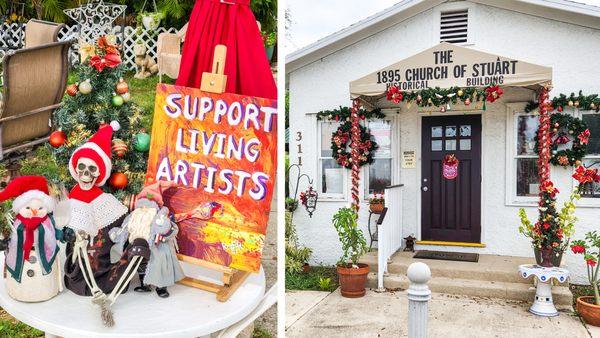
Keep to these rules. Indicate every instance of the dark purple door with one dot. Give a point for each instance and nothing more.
(451, 208)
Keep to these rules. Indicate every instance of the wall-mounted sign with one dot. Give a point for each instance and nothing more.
(221, 152)
(409, 160)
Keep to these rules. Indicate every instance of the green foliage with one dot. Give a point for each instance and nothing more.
(353, 241)
(590, 248)
(295, 255)
(573, 127)
(313, 279)
(42, 163)
(5, 216)
(291, 204)
(265, 11)
(325, 283)
(269, 39)
(80, 117)
(260, 332)
(9, 327)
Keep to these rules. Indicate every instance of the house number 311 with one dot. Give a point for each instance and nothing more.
(298, 139)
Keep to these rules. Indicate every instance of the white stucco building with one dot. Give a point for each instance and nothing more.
(562, 35)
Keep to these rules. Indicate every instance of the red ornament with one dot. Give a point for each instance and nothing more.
(57, 138)
(118, 180)
(72, 89)
(122, 87)
(467, 101)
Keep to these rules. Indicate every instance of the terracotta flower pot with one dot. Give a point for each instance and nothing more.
(353, 281)
(376, 208)
(588, 310)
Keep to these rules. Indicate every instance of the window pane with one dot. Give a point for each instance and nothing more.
(436, 131)
(465, 131)
(327, 129)
(436, 145)
(527, 126)
(450, 144)
(380, 176)
(382, 134)
(332, 177)
(527, 177)
(591, 189)
(465, 144)
(593, 123)
(450, 131)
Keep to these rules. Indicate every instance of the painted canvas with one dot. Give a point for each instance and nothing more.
(220, 152)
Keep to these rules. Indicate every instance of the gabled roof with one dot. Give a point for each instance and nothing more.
(559, 10)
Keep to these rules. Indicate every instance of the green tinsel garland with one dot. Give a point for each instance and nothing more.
(343, 114)
(574, 127)
(580, 101)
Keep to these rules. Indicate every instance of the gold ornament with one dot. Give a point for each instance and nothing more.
(460, 92)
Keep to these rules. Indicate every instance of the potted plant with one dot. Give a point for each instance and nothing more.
(377, 203)
(269, 39)
(589, 306)
(352, 275)
(291, 204)
(550, 234)
(151, 20)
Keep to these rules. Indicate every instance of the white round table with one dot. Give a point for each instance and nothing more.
(188, 312)
(543, 304)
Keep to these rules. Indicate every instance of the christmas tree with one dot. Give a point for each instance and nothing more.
(99, 97)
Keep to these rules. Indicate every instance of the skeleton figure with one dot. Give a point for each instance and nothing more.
(87, 173)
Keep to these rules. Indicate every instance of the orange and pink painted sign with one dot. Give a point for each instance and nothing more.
(220, 150)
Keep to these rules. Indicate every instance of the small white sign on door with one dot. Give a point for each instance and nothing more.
(409, 159)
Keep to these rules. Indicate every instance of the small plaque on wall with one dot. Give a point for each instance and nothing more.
(409, 159)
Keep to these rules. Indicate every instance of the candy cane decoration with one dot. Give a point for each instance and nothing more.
(544, 137)
(355, 145)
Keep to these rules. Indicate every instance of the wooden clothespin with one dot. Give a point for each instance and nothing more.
(216, 81)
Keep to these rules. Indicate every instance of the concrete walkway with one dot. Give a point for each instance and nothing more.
(310, 314)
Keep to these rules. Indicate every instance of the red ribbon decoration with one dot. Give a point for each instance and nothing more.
(355, 146)
(544, 137)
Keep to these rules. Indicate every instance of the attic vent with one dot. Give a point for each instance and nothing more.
(453, 26)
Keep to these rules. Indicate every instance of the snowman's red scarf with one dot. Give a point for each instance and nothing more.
(31, 224)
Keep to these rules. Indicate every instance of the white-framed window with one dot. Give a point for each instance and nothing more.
(378, 175)
(332, 178)
(521, 167)
(591, 192)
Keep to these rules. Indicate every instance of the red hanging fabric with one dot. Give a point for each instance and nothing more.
(231, 23)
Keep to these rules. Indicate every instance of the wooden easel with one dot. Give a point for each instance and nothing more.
(215, 82)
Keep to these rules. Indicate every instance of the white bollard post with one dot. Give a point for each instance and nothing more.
(418, 296)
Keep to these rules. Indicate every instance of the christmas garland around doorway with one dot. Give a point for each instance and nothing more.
(564, 129)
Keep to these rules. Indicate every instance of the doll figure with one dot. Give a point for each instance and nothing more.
(34, 271)
(152, 222)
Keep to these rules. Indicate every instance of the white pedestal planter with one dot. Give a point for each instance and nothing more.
(543, 304)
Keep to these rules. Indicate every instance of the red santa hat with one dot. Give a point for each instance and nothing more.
(25, 189)
(97, 149)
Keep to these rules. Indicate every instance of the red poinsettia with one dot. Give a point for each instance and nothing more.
(106, 46)
(584, 137)
(108, 60)
(548, 187)
(394, 94)
(563, 160)
(578, 249)
(586, 175)
(493, 93)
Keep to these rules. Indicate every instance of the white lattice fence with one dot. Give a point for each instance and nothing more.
(12, 34)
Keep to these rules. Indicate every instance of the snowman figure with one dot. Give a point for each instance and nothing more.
(34, 271)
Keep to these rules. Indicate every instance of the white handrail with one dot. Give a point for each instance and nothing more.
(389, 234)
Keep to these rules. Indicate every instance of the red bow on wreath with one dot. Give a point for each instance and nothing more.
(450, 159)
(584, 137)
(394, 94)
(562, 138)
(493, 93)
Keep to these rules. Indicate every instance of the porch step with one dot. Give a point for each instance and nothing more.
(492, 268)
(477, 288)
